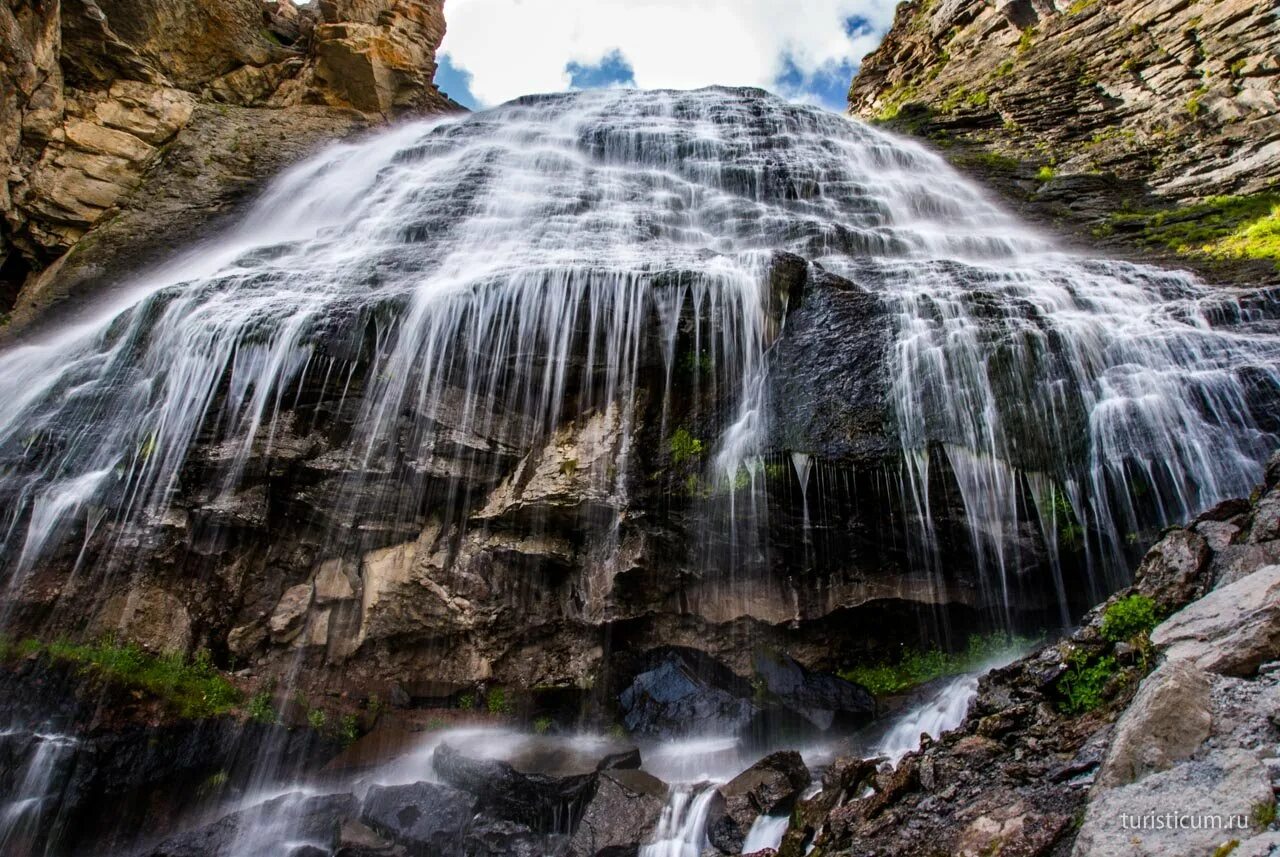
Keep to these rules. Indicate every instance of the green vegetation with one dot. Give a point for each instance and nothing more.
(1263, 814)
(915, 667)
(1220, 227)
(1226, 848)
(1045, 173)
(498, 703)
(189, 687)
(1070, 531)
(467, 702)
(317, 718)
(1128, 618)
(260, 710)
(1004, 68)
(542, 725)
(1079, 6)
(1083, 686)
(685, 447)
(349, 729)
(1193, 103)
(1027, 40)
(987, 160)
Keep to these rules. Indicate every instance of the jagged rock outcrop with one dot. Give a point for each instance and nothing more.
(164, 114)
(1078, 109)
(1037, 769)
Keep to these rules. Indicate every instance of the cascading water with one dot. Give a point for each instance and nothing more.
(445, 300)
(517, 261)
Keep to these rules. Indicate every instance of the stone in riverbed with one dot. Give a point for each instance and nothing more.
(545, 785)
(621, 817)
(306, 821)
(769, 787)
(426, 818)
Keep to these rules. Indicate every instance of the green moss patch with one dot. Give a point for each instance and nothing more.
(916, 667)
(1220, 227)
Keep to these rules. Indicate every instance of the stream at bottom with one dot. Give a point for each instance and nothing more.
(485, 792)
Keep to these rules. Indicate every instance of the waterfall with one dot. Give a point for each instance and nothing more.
(682, 828)
(766, 832)
(476, 283)
(942, 712)
(35, 794)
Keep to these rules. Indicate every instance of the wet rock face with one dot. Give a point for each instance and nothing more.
(1196, 734)
(769, 787)
(425, 818)
(621, 817)
(99, 96)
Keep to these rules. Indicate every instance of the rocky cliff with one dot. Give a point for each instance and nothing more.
(1132, 736)
(1155, 124)
(140, 120)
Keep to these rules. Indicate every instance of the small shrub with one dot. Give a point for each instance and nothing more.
(349, 730)
(317, 718)
(260, 710)
(1045, 173)
(542, 725)
(498, 703)
(1129, 618)
(1083, 686)
(374, 704)
(467, 702)
(685, 447)
(1263, 814)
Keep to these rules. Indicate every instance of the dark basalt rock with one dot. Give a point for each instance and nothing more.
(823, 700)
(546, 787)
(621, 817)
(493, 837)
(686, 691)
(426, 818)
(311, 824)
(769, 787)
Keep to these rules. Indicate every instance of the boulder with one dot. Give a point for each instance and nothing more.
(426, 818)
(1184, 810)
(1165, 724)
(1170, 572)
(304, 822)
(1230, 631)
(823, 700)
(687, 692)
(495, 837)
(546, 785)
(621, 817)
(769, 787)
(286, 620)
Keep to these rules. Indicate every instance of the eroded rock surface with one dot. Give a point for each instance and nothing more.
(1076, 111)
(171, 112)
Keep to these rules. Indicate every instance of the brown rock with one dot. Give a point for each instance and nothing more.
(287, 619)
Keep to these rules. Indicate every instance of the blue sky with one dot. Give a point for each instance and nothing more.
(807, 50)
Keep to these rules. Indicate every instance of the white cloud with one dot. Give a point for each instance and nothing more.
(517, 47)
